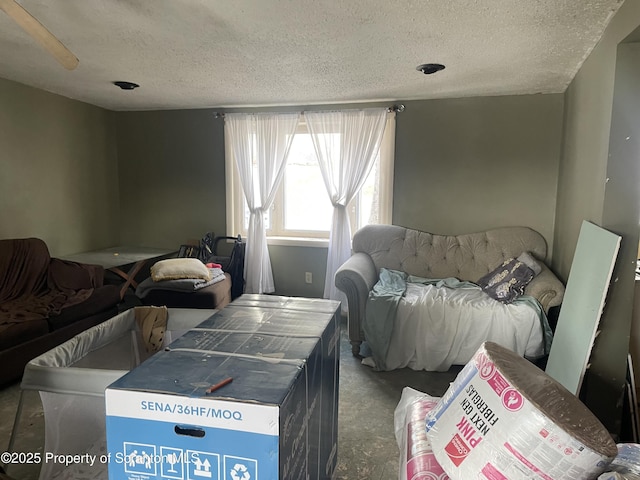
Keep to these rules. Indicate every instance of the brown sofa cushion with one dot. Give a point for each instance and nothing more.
(13, 359)
(18, 332)
(101, 299)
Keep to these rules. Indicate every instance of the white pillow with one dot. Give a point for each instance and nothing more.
(175, 268)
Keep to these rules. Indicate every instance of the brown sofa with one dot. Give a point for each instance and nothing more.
(45, 301)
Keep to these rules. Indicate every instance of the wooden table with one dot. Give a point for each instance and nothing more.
(114, 258)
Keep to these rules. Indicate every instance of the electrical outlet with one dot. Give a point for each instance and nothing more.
(308, 277)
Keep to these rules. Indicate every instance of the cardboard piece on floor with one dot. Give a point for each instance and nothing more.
(584, 299)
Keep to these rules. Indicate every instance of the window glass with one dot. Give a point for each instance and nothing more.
(306, 204)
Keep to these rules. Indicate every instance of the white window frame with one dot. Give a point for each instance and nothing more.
(236, 203)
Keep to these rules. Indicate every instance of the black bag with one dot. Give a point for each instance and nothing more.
(233, 263)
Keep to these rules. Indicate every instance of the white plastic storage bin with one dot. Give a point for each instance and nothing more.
(71, 380)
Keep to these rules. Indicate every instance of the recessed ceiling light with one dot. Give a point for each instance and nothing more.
(126, 85)
(429, 68)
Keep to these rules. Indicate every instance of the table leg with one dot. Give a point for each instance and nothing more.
(129, 276)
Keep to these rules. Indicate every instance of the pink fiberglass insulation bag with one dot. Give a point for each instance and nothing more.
(417, 461)
(505, 419)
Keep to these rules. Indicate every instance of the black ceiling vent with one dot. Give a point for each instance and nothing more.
(126, 85)
(429, 68)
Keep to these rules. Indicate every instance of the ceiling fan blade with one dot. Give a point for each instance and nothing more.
(43, 36)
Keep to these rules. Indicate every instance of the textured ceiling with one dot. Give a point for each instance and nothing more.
(237, 53)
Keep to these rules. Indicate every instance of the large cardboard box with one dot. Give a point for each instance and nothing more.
(276, 419)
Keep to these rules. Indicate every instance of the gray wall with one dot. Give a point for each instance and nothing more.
(289, 266)
(58, 170)
(466, 165)
(588, 108)
(598, 182)
(172, 176)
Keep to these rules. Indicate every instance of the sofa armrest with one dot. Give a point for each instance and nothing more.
(356, 277)
(547, 288)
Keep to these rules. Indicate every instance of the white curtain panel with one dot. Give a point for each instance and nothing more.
(260, 145)
(346, 144)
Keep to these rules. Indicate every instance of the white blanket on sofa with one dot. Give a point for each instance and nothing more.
(433, 324)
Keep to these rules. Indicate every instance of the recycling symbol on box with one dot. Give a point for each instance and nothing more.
(239, 472)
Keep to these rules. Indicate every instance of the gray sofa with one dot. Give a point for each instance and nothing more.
(465, 257)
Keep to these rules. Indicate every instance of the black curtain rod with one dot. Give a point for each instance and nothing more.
(394, 108)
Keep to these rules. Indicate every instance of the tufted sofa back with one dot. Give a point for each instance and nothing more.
(466, 257)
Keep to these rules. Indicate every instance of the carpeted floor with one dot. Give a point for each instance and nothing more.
(367, 447)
